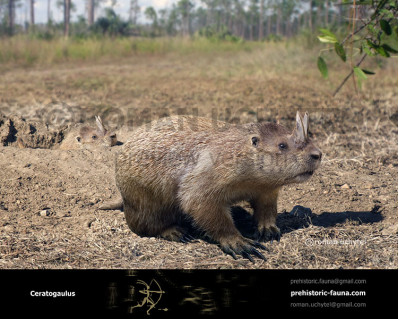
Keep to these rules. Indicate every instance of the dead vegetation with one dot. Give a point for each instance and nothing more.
(49, 216)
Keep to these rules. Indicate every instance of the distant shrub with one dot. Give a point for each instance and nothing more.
(110, 25)
(274, 38)
(211, 33)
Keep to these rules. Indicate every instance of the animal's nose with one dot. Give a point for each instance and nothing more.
(316, 155)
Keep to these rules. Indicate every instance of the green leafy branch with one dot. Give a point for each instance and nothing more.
(374, 37)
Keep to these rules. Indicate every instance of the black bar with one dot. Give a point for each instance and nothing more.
(171, 293)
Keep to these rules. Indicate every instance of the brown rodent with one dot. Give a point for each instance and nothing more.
(199, 167)
(82, 135)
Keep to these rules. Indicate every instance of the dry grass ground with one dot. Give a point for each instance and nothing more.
(49, 216)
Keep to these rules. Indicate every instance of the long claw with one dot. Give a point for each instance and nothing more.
(268, 234)
(230, 252)
(258, 245)
(245, 247)
(248, 256)
(257, 254)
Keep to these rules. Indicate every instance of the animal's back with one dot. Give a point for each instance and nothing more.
(171, 141)
(158, 153)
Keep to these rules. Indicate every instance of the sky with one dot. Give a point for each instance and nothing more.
(121, 8)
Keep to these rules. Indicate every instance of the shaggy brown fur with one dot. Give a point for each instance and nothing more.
(199, 167)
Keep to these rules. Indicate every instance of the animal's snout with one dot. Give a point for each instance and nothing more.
(316, 154)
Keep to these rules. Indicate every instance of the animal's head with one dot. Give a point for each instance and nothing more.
(99, 135)
(286, 156)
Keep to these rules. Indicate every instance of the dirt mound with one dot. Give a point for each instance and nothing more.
(19, 132)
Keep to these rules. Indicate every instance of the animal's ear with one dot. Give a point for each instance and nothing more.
(306, 124)
(100, 125)
(255, 141)
(299, 131)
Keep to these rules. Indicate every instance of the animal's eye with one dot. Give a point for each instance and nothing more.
(78, 139)
(113, 136)
(94, 137)
(255, 141)
(282, 146)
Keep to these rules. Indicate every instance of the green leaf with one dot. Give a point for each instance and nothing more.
(380, 5)
(360, 2)
(365, 2)
(359, 73)
(387, 13)
(321, 64)
(340, 51)
(327, 36)
(327, 32)
(382, 51)
(366, 49)
(372, 29)
(372, 45)
(327, 39)
(368, 72)
(386, 27)
(389, 49)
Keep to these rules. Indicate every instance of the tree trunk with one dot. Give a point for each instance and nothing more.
(11, 16)
(269, 25)
(188, 24)
(48, 11)
(90, 12)
(278, 22)
(67, 12)
(209, 15)
(184, 25)
(340, 12)
(32, 13)
(310, 15)
(261, 20)
(133, 11)
(327, 13)
(288, 27)
(319, 10)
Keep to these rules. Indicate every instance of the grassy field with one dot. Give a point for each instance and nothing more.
(130, 81)
(199, 60)
(29, 51)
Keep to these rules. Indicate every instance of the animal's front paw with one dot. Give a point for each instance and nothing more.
(242, 246)
(269, 233)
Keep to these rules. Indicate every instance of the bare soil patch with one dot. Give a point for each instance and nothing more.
(49, 216)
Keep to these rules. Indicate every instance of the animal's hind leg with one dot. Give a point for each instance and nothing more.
(154, 221)
(175, 233)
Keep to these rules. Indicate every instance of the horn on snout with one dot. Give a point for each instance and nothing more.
(100, 125)
(299, 131)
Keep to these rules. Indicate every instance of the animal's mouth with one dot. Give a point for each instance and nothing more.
(306, 174)
(303, 177)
